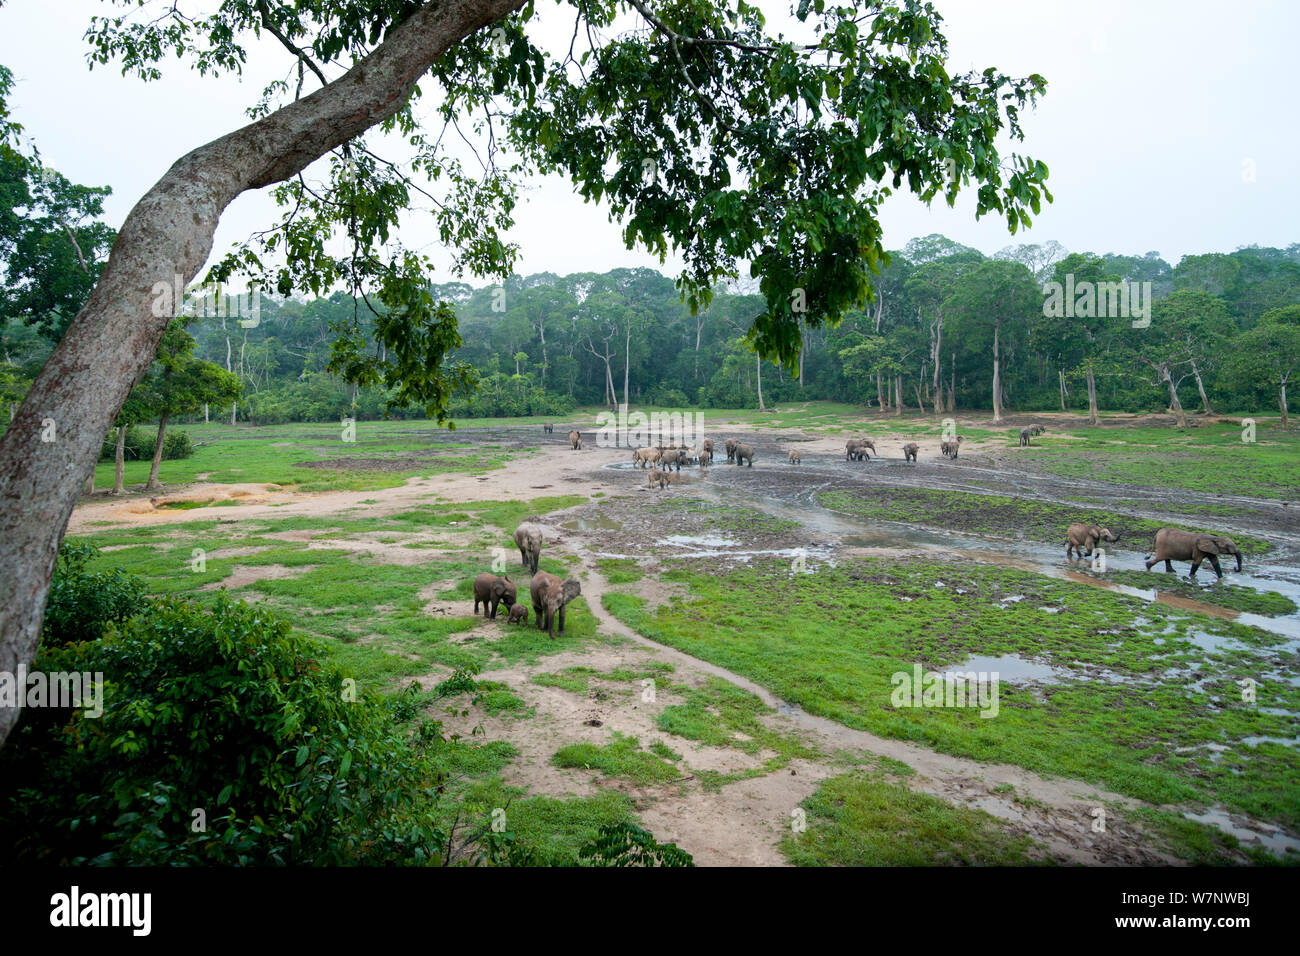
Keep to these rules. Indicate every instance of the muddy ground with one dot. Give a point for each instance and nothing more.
(742, 822)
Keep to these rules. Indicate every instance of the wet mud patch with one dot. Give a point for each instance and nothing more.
(1019, 518)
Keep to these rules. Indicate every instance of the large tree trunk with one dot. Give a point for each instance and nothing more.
(997, 376)
(898, 395)
(1094, 414)
(758, 364)
(153, 483)
(169, 232)
(1060, 374)
(1281, 402)
(119, 462)
(880, 391)
(1200, 387)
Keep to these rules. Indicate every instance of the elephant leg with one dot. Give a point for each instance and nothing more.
(494, 610)
(1196, 563)
(1149, 563)
(1214, 563)
(1169, 566)
(561, 620)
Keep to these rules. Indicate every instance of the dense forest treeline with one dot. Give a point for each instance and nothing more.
(947, 323)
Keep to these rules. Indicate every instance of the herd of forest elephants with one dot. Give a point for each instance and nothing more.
(550, 593)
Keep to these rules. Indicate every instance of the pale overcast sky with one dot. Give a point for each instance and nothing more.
(1168, 125)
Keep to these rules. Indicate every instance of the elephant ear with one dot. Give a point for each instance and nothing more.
(1209, 544)
(571, 590)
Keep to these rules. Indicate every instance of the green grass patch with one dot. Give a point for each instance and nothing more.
(866, 820)
(622, 757)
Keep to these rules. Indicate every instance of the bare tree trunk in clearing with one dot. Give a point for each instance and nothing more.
(758, 364)
(1281, 401)
(153, 484)
(898, 395)
(119, 462)
(1060, 373)
(1094, 415)
(880, 392)
(997, 376)
(114, 338)
(1200, 387)
(1179, 415)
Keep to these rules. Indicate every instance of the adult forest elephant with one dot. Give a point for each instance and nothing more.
(575, 440)
(529, 540)
(550, 595)
(1174, 544)
(491, 590)
(744, 453)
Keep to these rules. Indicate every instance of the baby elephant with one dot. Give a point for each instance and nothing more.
(548, 428)
(492, 590)
(708, 452)
(1082, 538)
(1174, 544)
(730, 445)
(910, 451)
(550, 595)
(794, 456)
(659, 478)
(529, 540)
(744, 453)
(949, 448)
(518, 614)
(575, 440)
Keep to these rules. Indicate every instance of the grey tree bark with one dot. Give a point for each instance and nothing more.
(169, 232)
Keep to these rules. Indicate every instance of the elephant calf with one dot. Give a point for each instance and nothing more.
(489, 589)
(550, 595)
(949, 448)
(518, 614)
(794, 456)
(1174, 544)
(659, 478)
(744, 453)
(708, 451)
(548, 428)
(731, 444)
(910, 451)
(575, 440)
(1082, 538)
(529, 540)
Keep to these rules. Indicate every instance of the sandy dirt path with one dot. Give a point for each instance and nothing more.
(741, 824)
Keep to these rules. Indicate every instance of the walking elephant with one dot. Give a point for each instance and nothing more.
(744, 453)
(529, 540)
(1174, 544)
(1082, 538)
(550, 595)
(910, 451)
(575, 440)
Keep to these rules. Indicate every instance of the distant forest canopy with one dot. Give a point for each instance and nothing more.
(946, 323)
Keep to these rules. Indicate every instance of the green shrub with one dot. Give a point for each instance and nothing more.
(81, 604)
(223, 740)
(140, 443)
